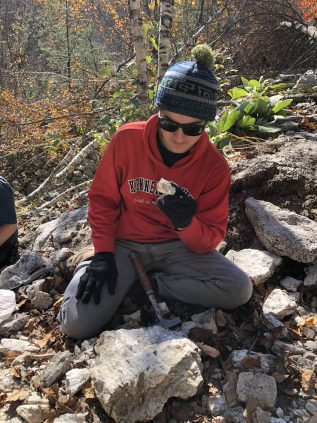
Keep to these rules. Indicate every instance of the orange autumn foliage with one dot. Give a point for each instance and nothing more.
(309, 8)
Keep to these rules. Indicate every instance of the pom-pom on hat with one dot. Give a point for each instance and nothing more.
(190, 88)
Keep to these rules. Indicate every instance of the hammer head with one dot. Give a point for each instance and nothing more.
(168, 323)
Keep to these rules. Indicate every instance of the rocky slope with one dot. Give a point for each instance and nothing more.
(257, 363)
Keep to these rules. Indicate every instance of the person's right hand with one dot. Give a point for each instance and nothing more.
(101, 271)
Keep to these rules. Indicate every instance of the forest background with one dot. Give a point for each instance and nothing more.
(71, 70)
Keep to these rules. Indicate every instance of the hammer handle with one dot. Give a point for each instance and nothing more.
(141, 274)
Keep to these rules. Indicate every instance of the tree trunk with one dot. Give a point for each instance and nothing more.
(69, 74)
(137, 37)
(164, 42)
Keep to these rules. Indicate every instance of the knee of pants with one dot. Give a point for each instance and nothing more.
(75, 328)
(78, 321)
(241, 289)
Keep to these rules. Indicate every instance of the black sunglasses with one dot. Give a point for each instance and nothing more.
(190, 129)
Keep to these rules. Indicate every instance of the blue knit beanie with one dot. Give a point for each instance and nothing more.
(189, 88)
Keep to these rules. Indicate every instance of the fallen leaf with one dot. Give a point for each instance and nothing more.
(89, 392)
(15, 372)
(44, 341)
(308, 321)
(17, 395)
(308, 379)
(308, 124)
(57, 304)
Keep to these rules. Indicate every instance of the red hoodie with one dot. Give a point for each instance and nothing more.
(123, 193)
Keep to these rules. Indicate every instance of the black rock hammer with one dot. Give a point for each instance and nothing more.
(147, 286)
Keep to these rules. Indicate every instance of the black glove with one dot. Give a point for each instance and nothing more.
(179, 208)
(101, 270)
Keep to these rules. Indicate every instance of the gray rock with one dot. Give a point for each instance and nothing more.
(41, 300)
(311, 345)
(279, 412)
(71, 418)
(267, 362)
(33, 413)
(28, 264)
(58, 258)
(56, 368)
(272, 322)
(13, 325)
(311, 406)
(282, 348)
(259, 265)
(61, 230)
(76, 379)
(235, 414)
(302, 363)
(311, 274)
(279, 304)
(301, 413)
(291, 284)
(290, 77)
(283, 232)
(207, 319)
(7, 382)
(262, 416)
(308, 333)
(258, 386)
(153, 364)
(306, 82)
(216, 405)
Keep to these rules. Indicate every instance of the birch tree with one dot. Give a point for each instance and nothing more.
(140, 55)
(164, 41)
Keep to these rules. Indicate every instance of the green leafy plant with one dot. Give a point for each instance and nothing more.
(251, 112)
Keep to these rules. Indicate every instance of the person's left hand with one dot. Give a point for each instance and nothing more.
(179, 208)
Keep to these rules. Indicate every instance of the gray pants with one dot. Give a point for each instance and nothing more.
(209, 279)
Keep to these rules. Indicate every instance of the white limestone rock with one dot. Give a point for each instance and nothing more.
(62, 229)
(259, 265)
(283, 232)
(34, 413)
(72, 418)
(136, 371)
(279, 303)
(76, 379)
(16, 345)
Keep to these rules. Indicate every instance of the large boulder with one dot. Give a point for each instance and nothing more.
(137, 371)
(60, 230)
(283, 232)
